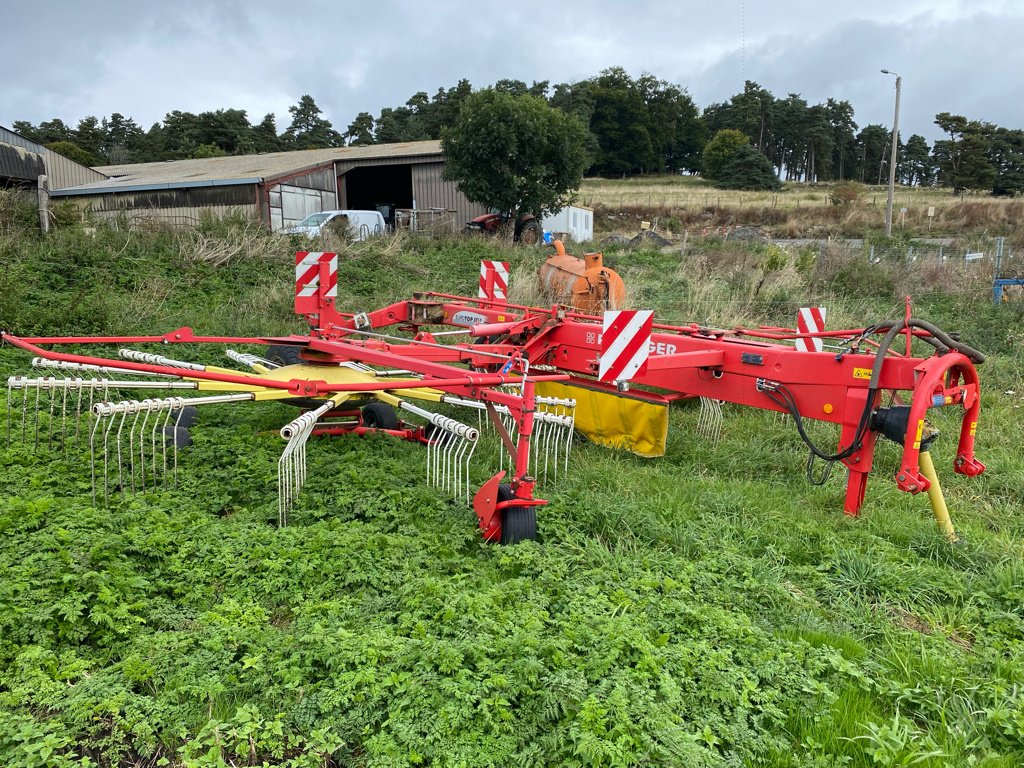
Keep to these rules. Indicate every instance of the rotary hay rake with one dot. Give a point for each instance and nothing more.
(534, 375)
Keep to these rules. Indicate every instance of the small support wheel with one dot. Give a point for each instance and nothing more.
(517, 523)
(185, 417)
(176, 437)
(380, 416)
(283, 354)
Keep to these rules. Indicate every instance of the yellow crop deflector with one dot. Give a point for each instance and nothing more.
(615, 420)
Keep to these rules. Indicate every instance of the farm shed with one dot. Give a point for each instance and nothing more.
(22, 162)
(279, 188)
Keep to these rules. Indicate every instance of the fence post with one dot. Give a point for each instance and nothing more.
(43, 196)
(871, 255)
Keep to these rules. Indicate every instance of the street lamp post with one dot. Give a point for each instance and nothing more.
(892, 159)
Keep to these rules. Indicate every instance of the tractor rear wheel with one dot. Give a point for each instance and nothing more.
(283, 354)
(380, 416)
(530, 233)
(517, 523)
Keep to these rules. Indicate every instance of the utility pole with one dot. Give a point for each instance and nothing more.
(892, 160)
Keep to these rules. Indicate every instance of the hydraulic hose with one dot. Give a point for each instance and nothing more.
(940, 335)
(941, 341)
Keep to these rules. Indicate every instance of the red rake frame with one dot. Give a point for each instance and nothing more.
(750, 367)
(742, 366)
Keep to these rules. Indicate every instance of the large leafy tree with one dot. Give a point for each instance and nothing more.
(720, 151)
(514, 154)
(620, 125)
(872, 144)
(74, 152)
(308, 130)
(916, 166)
(264, 135)
(748, 169)
(360, 130)
(963, 159)
(1007, 155)
(123, 140)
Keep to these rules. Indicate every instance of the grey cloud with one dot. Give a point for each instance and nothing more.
(145, 59)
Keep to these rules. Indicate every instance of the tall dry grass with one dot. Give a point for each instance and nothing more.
(678, 204)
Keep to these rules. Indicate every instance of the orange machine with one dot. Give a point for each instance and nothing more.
(585, 284)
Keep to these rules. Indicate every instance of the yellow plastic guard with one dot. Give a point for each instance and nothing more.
(615, 420)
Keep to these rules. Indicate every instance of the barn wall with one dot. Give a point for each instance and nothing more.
(21, 165)
(60, 171)
(292, 199)
(431, 191)
(177, 207)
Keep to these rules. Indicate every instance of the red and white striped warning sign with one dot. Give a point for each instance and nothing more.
(810, 320)
(625, 344)
(307, 279)
(494, 280)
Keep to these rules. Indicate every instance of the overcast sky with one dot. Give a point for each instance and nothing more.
(144, 58)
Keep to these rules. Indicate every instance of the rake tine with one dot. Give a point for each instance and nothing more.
(50, 385)
(131, 450)
(64, 416)
(472, 450)
(24, 415)
(147, 405)
(163, 441)
(709, 421)
(291, 467)
(152, 447)
(106, 460)
(92, 457)
(10, 396)
(177, 425)
(568, 438)
(450, 454)
(36, 422)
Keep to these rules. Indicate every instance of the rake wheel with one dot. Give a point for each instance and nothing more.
(380, 416)
(517, 523)
(283, 354)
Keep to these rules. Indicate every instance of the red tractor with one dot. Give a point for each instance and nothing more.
(527, 231)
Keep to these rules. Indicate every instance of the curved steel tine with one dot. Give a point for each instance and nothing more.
(92, 457)
(36, 422)
(472, 450)
(131, 445)
(10, 396)
(106, 460)
(65, 384)
(141, 441)
(163, 437)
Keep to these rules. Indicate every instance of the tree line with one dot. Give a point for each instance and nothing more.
(634, 126)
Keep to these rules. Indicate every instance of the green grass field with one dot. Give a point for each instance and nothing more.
(710, 608)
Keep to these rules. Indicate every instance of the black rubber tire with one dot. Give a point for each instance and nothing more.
(380, 416)
(189, 416)
(177, 437)
(530, 233)
(517, 523)
(283, 354)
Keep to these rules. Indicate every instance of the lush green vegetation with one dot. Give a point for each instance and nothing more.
(515, 155)
(709, 608)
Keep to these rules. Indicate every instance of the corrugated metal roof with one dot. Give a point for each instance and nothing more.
(266, 166)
